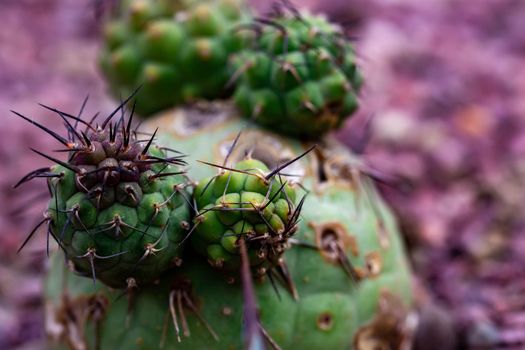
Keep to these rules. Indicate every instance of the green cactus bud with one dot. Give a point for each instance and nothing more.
(117, 208)
(241, 204)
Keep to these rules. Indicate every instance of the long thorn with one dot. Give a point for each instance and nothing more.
(284, 165)
(77, 119)
(30, 176)
(145, 150)
(46, 218)
(105, 123)
(64, 164)
(60, 139)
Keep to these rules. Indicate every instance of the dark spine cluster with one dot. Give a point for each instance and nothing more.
(119, 204)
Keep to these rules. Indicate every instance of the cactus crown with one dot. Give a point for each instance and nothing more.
(118, 205)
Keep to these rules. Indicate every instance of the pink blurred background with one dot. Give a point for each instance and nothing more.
(444, 105)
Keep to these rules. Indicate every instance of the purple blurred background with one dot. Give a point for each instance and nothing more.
(444, 104)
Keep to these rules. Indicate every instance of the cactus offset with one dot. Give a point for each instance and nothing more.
(118, 208)
(300, 77)
(246, 201)
(178, 50)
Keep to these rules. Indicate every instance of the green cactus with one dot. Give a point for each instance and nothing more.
(345, 284)
(178, 50)
(300, 76)
(246, 201)
(118, 206)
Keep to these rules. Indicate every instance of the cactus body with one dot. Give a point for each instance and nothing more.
(300, 77)
(177, 50)
(348, 283)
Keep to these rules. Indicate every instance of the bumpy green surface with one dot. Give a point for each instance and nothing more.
(116, 225)
(331, 307)
(299, 78)
(246, 205)
(177, 49)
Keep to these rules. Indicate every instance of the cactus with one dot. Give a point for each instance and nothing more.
(247, 201)
(264, 241)
(300, 76)
(177, 49)
(345, 283)
(118, 206)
